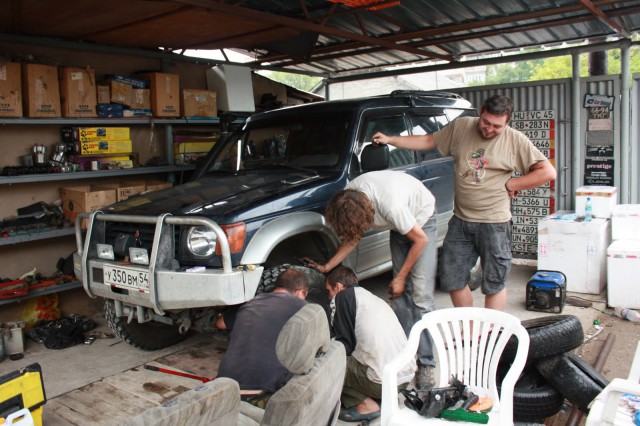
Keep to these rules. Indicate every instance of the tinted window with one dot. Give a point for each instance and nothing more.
(425, 125)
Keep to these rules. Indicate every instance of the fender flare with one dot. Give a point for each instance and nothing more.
(273, 233)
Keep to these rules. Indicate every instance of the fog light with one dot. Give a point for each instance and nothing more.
(138, 255)
(105, 251)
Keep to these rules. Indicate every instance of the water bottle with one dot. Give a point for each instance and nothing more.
(628, 314)
(588, 210)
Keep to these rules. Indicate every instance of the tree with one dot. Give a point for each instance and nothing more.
(508, 73)
(299, 81)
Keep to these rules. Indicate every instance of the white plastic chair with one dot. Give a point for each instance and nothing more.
(468, 343)
(605, 408)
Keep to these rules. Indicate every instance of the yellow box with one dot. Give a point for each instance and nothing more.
(127, 189)
(156, 185)
(188, 152)
(106, 147)
(85, 198)
(88, 134)
(25, 386)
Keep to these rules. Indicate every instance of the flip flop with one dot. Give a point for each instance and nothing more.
(351, 414)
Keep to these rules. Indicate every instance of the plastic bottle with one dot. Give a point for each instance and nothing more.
(588, 210)
(628, 314)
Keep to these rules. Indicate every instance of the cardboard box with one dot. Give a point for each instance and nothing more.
(136, 83)
(110, 110)
(198, 103)
(156, 185)
(89, 134)
(41, 91)
(10, 90)
(121, 93)
(127, 189)
(625, 222)
(577, 249)
(165, 94)
(85, 198)
(188, 152)
(106, 147)
(141, 99)
(103, 93)
(603, 198)
(623, 269)
(78, 96)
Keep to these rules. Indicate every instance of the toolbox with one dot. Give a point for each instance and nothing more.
(23, 389)
(546, 291)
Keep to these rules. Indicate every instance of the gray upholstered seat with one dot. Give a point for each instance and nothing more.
(312, 396)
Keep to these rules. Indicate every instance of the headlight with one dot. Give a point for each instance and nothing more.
(201, 241)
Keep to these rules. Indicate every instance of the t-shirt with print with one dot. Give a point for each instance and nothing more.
(400, 200)
(483, 166)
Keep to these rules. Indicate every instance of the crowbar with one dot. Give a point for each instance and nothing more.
(178, 373)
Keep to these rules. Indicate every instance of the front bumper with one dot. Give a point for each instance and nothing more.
(169, 287)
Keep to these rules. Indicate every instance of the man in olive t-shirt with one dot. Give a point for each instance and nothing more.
(486, 153)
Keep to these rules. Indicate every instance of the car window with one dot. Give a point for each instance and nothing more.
(424, 125)
(392, 126)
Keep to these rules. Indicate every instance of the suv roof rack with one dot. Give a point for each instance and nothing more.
(436, 94)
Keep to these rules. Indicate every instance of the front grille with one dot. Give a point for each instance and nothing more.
(138, 234)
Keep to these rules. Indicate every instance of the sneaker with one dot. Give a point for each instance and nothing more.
(424, 378)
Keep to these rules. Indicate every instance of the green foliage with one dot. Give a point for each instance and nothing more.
(553, 68)
(299, 81)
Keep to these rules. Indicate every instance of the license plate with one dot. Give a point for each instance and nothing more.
(122, 276)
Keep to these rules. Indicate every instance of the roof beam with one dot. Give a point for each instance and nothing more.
(307, 26)
(604, 18)
(450, 29)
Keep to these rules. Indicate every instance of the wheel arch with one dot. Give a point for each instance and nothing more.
(270, 235)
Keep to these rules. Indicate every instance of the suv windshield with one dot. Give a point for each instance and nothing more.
(302, 141)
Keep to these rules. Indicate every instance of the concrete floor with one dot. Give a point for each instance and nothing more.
(72, 368)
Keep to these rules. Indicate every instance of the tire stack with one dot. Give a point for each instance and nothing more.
(553, 372)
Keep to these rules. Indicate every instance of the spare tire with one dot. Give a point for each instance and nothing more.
(576, 379)
(534, 399)
(549, 336)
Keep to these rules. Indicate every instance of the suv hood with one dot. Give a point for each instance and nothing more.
(221, 195)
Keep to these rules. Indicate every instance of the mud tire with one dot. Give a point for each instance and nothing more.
(549, 336)
(149, 336)
(534, 398)
(575, 379)
(317, 292)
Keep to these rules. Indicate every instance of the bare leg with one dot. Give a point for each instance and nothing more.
(367, 406)
(497, 301)
(462, 297)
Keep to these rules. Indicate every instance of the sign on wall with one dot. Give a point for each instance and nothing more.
(599, 163)
(534, 204)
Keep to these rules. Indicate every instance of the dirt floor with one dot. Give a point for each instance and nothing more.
(623, 338)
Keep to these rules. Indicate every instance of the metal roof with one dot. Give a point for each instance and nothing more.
(325, 37)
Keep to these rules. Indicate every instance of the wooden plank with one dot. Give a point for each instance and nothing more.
(201, 359)
(151, 385)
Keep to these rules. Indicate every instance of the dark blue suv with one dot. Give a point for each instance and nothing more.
(165, 261)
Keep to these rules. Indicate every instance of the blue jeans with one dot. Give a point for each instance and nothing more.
(417, 298)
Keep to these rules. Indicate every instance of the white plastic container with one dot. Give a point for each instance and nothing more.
(603, 199)
(623, 270)
(577, 249)
(625, 222)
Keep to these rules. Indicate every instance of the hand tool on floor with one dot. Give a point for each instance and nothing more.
(178, 373)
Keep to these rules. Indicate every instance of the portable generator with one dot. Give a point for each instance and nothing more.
(546, 291)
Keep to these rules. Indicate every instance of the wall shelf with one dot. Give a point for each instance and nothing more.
(76, 122)
(35, 235)
(44, 291)
(9, 180)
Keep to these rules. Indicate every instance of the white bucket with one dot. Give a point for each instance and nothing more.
(13, 334)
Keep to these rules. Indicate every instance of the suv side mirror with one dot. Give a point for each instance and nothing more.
(374, 158)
